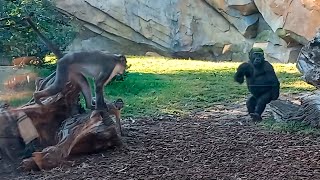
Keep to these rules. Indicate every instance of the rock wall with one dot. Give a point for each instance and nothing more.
(197, 29)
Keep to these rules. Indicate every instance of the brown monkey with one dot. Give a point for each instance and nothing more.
(102, 67)
(115, 109)
(26, 60)
(74, 66)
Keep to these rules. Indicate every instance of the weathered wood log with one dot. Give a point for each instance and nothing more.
(308, 112)
(82, 134)
(47, 118)
(58, 128)
(283, 110)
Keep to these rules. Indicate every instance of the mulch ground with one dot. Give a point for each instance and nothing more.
(218, 144)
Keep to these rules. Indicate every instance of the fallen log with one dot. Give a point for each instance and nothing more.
(308, 112)
(82, 134)
(54, 131)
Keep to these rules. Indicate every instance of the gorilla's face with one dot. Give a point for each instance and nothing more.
(257, 58)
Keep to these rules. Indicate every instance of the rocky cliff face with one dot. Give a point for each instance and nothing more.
(199, 29)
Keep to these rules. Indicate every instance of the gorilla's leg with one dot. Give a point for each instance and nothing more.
(251, 104)
(262, 101)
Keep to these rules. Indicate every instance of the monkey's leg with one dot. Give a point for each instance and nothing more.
(58, 84)
(251, 104)
(99, 98)
(99, 85)
(85, 89)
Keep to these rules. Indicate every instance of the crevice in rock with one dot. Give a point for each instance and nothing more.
(145, 38)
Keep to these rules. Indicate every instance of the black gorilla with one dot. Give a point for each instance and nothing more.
(261, 80)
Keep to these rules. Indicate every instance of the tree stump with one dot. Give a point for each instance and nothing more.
(308, 63)
(55, 130)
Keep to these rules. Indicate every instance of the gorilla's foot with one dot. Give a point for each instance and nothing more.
(255, 117)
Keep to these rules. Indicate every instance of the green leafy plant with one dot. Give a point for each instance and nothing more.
(18, 39)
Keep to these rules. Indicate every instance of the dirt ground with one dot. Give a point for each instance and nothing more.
(221, 143)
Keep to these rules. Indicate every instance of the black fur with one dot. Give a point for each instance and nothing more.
(262, 82)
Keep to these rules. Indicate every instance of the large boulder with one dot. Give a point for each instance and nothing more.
(209, 29)
(297, 19)
(276, 49)
(178, 28)
(243, 14)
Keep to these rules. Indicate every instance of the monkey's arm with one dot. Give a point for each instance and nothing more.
(244, 70)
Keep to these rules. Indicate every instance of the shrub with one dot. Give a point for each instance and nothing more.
(18, 39)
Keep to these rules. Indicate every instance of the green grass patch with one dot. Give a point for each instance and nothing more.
(158, 86)
(289, 127)
(20, 101)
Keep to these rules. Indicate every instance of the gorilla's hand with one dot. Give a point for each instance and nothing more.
(239, 79)
(244, 70)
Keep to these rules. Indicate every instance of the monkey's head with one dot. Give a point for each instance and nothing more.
(122, 59)
(123, 62)
(119, 103)
(256, 57)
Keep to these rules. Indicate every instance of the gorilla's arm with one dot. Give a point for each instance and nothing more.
(244, 70)
(270, 74)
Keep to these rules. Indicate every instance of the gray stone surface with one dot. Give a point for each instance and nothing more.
(208, 29)
(178, 28)
(241, 14)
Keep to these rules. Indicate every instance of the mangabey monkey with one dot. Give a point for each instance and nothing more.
(262, 82)
(75, 66)
(26, 60)
(115, 109)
